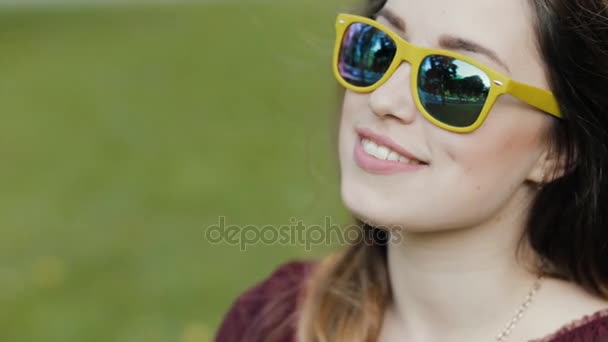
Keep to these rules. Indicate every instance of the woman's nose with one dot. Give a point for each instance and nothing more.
(394, 96)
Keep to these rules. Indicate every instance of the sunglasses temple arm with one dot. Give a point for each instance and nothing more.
(536, 97)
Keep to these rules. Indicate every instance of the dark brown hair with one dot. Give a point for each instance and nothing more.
(567, 223)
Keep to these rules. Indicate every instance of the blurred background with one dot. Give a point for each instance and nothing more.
(128, 129)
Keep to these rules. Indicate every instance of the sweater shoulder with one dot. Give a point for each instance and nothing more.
(589, 328)
(271, 301)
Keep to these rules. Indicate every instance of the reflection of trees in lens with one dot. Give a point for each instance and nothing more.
(469, 89)
(350, 55)
(365, 54)
(440, 69)
(385, 54)
(379, 51)
(441, 78)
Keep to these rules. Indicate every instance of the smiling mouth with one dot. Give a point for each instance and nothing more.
(382, 152)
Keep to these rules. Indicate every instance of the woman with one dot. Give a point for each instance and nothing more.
(482, 216)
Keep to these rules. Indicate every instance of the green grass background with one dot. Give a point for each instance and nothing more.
(126, 132)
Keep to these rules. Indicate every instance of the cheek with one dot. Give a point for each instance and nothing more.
(486, 170)
(502, 152)
(352, 103)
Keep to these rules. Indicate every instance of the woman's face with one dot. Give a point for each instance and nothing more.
(468, 178)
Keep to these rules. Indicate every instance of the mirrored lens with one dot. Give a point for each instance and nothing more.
(365, 54)
(452, 91)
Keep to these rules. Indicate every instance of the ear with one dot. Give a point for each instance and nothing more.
(548, 167)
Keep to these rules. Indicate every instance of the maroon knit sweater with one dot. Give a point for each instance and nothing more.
(243, 317)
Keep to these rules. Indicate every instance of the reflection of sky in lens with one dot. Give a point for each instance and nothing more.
(464, 70)
(377, 46)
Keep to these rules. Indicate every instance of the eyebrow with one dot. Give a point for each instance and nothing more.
(446, 41)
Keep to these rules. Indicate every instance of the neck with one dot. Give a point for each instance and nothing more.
(460, 284)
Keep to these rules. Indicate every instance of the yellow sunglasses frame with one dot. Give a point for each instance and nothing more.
(414, 55)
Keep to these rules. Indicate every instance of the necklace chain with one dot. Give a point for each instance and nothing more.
(520, 311)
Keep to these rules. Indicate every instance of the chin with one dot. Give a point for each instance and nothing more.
(367, 208)
(392, 215)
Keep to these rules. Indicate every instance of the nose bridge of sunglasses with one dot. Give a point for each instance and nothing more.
(408, 52)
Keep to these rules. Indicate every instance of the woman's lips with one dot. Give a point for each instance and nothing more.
(373, 164)
(388, 142)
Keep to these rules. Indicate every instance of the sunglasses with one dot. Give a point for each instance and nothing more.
(453, 91)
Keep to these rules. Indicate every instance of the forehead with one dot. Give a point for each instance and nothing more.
(504, 26)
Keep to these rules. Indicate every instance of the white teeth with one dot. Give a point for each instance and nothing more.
(384, 153)
(394, 156)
